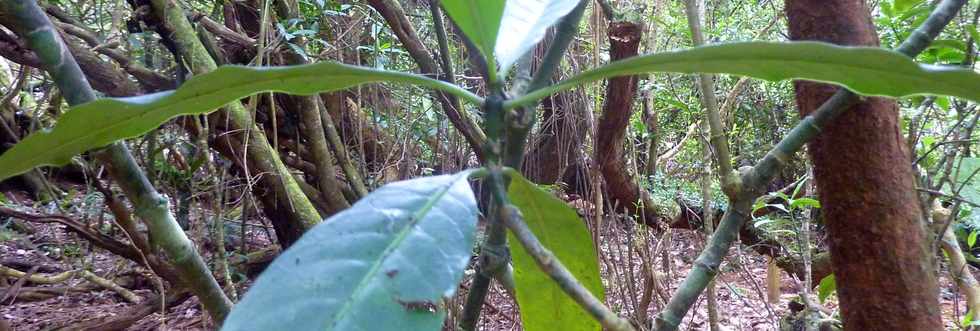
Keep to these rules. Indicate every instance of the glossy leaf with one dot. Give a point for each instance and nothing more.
(543, 305)
(865, 70)
(101, 122)
(480, 22)
(386, 263)
(523, 25)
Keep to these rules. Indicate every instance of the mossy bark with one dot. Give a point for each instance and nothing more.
(298, 213)
(34, 26)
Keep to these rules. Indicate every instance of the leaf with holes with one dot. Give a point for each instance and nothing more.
(386, 263)
(544, 306)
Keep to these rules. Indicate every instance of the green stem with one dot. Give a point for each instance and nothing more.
(506, 139)
(755, 179)
(550, 264)
(706, 82)
(36, 28)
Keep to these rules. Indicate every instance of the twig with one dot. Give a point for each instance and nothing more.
(564, 278)
(64, 276)
(755, 178)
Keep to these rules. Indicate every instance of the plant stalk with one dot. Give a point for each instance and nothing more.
(755, 178)
(35, 27)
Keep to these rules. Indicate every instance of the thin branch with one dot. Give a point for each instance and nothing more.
(755, 178)
(550, 264)
(34, 26)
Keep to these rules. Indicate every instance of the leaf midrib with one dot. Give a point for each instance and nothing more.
(399, 238)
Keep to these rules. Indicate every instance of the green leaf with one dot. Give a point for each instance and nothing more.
(800, 186)
(101, 122)
(523, 24)
(804, 203)
(887, 10)
(967, 177)
(972, 30)
(480, 22)
(904, 5)
(865, 70)
(971, 239)
(386, 263)
(544, 306)
(827, 286)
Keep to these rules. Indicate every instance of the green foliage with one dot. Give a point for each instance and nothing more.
(828, 285)
(387, 263)
(480, 22)
(544, 306)
(865, 70)
(99, 123)
(968, 322)
(967, 179)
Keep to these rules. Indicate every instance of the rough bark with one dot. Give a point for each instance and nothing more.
(625, 193)
(878, 244)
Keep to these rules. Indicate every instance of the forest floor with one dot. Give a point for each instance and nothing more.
(741, 287)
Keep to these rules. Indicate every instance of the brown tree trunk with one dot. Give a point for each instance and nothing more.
(878, 243)
(625, 193)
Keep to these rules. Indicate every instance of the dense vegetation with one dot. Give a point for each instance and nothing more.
(393, 165)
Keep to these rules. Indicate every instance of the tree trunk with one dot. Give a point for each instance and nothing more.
(878, 243)
(624, 42)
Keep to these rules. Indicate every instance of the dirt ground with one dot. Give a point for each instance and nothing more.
(741, 288)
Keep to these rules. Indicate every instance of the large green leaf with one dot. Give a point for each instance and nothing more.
(828, 285)
(99, 123)
(865, 70)
(543, 305)
(480, 21)
(524, 23)
(386, 263)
